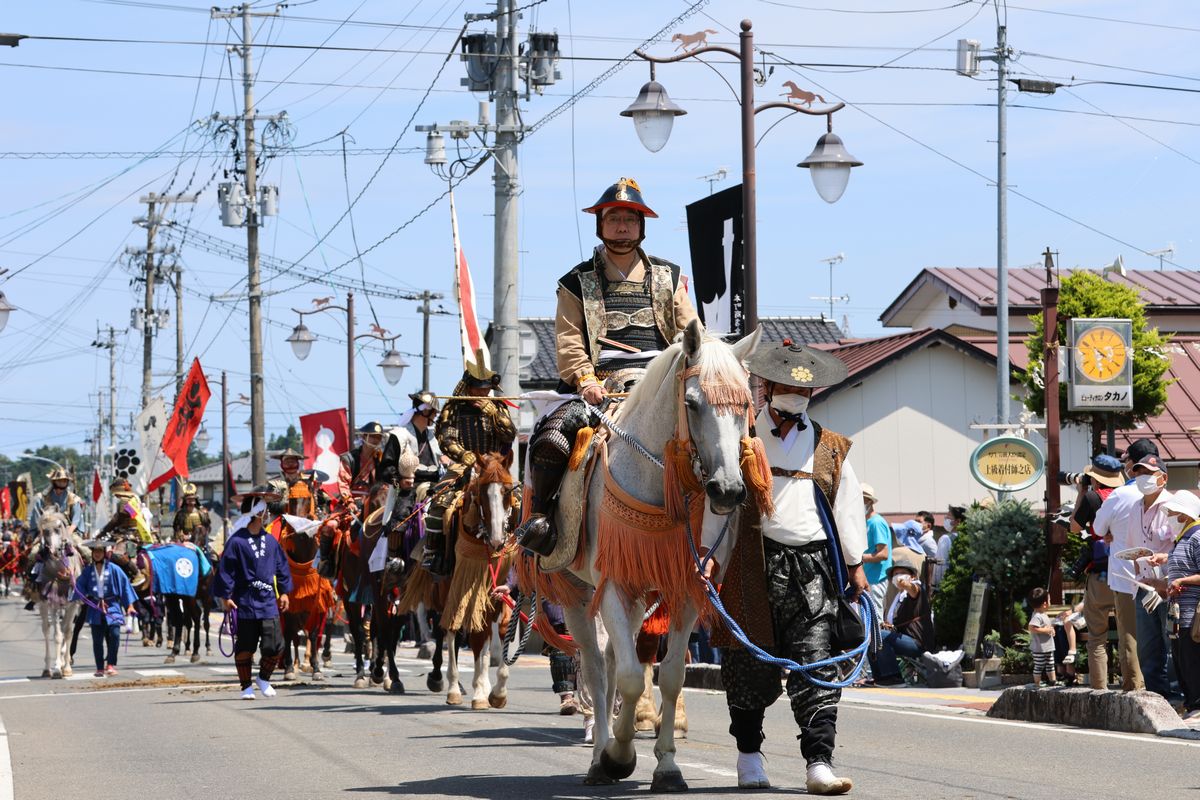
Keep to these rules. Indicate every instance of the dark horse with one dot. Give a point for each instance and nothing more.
(342, 562)
(311, 598)
(185, 612)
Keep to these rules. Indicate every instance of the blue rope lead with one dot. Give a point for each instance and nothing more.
(858, 654)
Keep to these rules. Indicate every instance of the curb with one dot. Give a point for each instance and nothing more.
(1100, 709)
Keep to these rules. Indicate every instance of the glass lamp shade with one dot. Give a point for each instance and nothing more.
(393, 366)
(301, 341)
(201, 439)
(5, 309)
(653, 116)
(829, 164)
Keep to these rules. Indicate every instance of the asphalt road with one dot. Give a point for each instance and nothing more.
(186, 735)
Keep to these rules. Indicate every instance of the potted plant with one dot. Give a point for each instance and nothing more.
(991, 644)
(1016, 666)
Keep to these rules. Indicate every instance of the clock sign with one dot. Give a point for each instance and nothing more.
(1101, 375)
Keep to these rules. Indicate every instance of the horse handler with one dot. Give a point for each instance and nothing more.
(253, 579)
(781, 585)
(108, 595)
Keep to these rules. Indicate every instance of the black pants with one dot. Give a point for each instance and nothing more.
(251, 635)
(803, 605)
(1187, 668)
(103, 634)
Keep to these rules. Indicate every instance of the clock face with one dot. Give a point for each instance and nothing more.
(1100, 354)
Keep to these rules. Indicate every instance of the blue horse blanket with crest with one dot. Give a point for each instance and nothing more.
(177, 568)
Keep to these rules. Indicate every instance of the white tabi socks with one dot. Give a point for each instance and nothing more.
(821, 780)
(752, 771)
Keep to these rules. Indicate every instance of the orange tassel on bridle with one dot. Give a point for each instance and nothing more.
(679, 480)
(756, 472)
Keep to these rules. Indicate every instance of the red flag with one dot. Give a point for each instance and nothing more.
(97, 488)
(189, 410)
(5, 503)
(326, 437)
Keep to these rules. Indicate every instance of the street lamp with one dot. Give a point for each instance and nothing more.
(301, 340)
(829, 164)
(393, 365)
(201, 439)
(5, 309)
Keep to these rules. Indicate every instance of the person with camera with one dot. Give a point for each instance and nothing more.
(1097, 481)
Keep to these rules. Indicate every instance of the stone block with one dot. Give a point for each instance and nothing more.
(1128, 712)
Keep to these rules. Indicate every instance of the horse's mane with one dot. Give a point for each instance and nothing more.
(723, 379)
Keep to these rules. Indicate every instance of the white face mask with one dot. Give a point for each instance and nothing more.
(1147, 484)
(790, 403)
(1175, 524)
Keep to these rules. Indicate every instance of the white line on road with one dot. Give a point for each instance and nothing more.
(6, 774)
(157, 673)
(15, 679)
(1132, 737)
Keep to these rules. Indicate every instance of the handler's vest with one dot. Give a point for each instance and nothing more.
(744, 589)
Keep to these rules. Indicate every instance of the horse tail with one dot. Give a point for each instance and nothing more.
(822, 99)
(710, 30)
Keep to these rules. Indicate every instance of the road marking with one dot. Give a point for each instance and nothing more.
(1132, 737)
(15, 679)
(224, 670)
(6, 774)
(157, 673)
(718, 771)
(103, 692)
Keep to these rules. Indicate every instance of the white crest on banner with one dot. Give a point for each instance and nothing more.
(140, 458)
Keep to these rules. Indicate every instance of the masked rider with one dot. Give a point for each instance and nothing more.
(359, 466)
(417, 435)
(465, 429)
(616, 311)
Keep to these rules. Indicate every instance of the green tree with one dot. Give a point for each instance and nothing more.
(69, 457)
(1086, 295)
(290, 439)
(1008, 549)
(954, 592)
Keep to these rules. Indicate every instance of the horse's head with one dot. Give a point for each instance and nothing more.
(718, 406)
(492, 492)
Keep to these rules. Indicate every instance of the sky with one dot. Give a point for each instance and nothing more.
(1106, 166)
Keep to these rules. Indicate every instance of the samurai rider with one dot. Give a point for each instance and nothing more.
(616, 312)
(417, 435)
(786, 572)
(57, 495)
(253, 580)
(191, 522)
(471, 424)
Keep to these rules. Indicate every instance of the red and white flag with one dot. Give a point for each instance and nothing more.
(97, 487)
(475, 349)
(326, 436)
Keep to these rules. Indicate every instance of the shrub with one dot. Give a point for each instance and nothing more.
(954, 594)
(1017, 659)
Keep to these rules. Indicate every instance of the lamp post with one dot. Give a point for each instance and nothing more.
(393, 363)
(6, 308)
(829, 163)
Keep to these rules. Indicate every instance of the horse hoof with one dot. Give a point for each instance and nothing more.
(387, 684)
(668, 782)
(208, 651)
(397, 687)
(56, 675)
(598, 777)
(289, 675)
(497, 700)
(360, 682)
(479, 705)
(169, 659)
(614, 769)
(425, 650)
(146, 642)
(45, 673)
(67, 671)
(195, 659)
(319, 676)
(326, 662)
(454, 699)
(644, 725)
(377, 680)
(435, 686)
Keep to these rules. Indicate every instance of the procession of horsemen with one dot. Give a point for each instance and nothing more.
(674, 480)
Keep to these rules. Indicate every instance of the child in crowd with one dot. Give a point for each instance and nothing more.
(1041, 638)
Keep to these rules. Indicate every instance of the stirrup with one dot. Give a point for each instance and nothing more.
(537, 535)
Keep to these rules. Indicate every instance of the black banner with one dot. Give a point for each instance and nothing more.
(715, 237)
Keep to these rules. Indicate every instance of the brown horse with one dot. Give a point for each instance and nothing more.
(484, 550)
(310, 599)
(341, 541)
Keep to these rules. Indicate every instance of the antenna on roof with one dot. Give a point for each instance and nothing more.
(1166, 252)
(839, 258)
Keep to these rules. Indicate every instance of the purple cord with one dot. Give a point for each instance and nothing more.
(228, 623)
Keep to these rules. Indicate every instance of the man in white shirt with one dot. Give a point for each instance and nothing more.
(1132, 516)
(953, 520)
(801, 569)
(1139, 520)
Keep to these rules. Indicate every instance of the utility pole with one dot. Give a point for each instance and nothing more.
(226, 488)
(254, 282)
(151, 320)
(1002, 365)
(1056, 537)
(427, 312)
(504, 301)
(178, 329)
(110, 344)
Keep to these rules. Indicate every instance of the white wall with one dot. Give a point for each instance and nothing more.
(910, 424)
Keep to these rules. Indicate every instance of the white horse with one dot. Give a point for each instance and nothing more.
(61, 564)
(698, 389)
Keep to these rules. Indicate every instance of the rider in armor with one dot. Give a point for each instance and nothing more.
(359, 466)
(59, 494)
(465, 429)
(416, 435)
(191, 522)
(616, 311)
(122, 530)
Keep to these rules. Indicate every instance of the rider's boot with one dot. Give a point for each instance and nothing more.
(537, 533)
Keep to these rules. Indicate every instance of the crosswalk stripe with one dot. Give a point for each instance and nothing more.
(157, 673)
